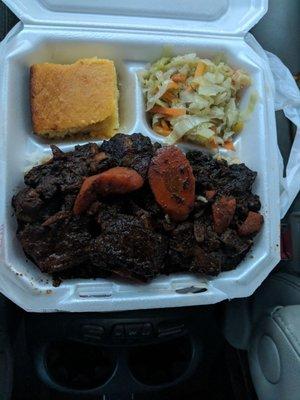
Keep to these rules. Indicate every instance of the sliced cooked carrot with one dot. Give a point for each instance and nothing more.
(222, 212)
(172, 182)
(118, 180)
(170, 112)
(172, 85)
(168, 96)
(200, 69)
(161, 130)
(229, 145)
(86, 195)
(252, 224)
(178, 78)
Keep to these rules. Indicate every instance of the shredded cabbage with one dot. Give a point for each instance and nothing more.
(207, 93)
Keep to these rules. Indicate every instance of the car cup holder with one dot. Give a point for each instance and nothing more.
(78, 366)
(161, 364)
(83, 355)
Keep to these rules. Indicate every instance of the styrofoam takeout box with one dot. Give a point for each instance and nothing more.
(132, 33)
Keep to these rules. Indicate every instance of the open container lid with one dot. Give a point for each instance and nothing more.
(219, 17)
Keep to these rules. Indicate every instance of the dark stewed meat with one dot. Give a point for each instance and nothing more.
(126, 244)
(27, 204)
(234, 180)
(129, 233)
(59, 245)
(134, 151)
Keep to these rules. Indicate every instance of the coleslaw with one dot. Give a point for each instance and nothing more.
(195, 99)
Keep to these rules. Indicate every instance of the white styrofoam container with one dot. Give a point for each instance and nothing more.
(132, 33)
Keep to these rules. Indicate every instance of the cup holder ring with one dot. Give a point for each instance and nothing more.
(63, 369)
(178, 359)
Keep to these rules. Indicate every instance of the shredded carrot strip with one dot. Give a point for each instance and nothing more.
(161, 130)
(168, 96)
(212, 143)
(229, 145)
(178, 78)
(172, 85)
(200, 69)
(164, 124)
(170, 112)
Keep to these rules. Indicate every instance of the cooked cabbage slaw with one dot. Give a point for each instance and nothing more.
(195, 99)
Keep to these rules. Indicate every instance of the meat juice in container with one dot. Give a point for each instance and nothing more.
(132, 34)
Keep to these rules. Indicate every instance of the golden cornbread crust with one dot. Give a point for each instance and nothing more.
(80, 97)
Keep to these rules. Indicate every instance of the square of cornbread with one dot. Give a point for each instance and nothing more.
(79, 97)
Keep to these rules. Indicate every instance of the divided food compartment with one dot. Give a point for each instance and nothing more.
(131, 50)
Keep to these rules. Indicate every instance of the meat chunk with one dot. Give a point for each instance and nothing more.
(56, 217)
(234, 243)
(125, 243)
(210, 194)
(64, 173)
(207, 263)
(172, 182)
(118, 180)
(59, 246)
(233, 180)
(212, 240)
(145, 199)
(251, 225)
(27, 204)
(181, 247)
(223, 211)
(199, 231)
(96, 162)
(31, 208)
(206, 170)
(239, 180)
(253, 202)
(133, 151)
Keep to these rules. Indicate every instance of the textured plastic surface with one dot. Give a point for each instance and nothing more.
(131, 50)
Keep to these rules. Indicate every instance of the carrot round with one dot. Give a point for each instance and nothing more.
(118, 180)
(172, 182)
(86, 195)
